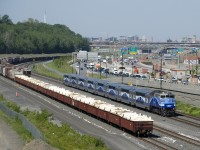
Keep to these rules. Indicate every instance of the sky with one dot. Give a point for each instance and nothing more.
(157, 19)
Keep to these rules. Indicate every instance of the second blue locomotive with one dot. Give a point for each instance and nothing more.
(157, 101)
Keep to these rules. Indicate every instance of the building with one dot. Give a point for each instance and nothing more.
(191, 60)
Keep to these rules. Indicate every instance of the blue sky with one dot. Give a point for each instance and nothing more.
(160, 19)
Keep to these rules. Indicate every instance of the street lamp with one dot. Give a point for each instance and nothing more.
(197, 61)
(122, 66)
(106, 69)
(161, 55)
(79, 67)
(100, 68)
(72, 62)
(132, 67)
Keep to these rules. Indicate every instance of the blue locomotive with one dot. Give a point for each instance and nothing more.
(157, 101)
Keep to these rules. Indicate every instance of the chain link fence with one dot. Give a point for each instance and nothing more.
(27, 124)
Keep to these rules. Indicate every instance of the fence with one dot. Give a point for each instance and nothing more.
(29, 126)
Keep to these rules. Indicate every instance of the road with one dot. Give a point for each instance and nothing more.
(9, 139)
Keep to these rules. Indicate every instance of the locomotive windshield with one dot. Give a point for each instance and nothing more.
(166, 96)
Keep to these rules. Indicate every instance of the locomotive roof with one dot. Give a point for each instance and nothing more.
(102, 81)
(114, 84)
(128, 87)
(92, 79)
(83, 77)
(71, 75)
(144, 91)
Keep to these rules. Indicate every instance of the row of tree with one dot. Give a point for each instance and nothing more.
(31, 36)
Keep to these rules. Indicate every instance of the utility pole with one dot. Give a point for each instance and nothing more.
(161, 54)
(122, 67)
(196, 62)
(100, 68)
(106, 69)
(178, 60)
(79, 67)
(72, 62)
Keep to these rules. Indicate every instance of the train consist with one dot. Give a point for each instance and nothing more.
(136, 123)
(157, 101)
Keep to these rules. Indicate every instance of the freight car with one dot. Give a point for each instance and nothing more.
(118, 116)
(10, 70)
(157, 101)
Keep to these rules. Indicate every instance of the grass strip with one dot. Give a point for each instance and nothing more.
(62, 64)
(40, 69)
(188, 109)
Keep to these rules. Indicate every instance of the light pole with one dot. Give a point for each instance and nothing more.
(161, 69)
(106, 69)
(72, 62)
(122, 67)
(196, 62)
(79, 67)
(132, 67)
(100, 68)
(92, 71)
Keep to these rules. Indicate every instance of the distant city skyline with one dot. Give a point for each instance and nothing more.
(157, 19)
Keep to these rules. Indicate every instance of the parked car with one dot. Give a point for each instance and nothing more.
(138, 75)
(174, 80)
(185, 82)
(160, 79)
(188, 76)
(143, 77)
(132, 75)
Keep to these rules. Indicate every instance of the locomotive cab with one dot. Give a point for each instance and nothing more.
(163, 103)
(167, 103)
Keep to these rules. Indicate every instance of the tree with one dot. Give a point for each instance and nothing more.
(31, 36)
(6, 19)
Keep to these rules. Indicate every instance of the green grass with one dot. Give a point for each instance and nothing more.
(188, 109)
(62, 64)
(64, 137)
(40, 69)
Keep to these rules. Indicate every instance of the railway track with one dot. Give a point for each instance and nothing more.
(188, 116)
(178, 136)
(157, 143)
(186, 121)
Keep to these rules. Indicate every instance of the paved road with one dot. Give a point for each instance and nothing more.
(9, 139)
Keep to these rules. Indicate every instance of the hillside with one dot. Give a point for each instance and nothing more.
(32, 36)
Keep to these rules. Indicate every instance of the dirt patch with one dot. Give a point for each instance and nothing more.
(9, 139)
(37, 144)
